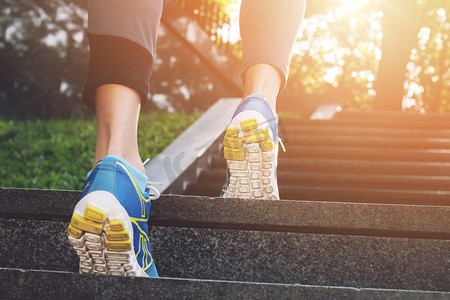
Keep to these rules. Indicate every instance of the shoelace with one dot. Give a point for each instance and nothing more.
(281, 143)
(156, 194)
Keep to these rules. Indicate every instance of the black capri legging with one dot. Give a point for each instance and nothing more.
(122, 37)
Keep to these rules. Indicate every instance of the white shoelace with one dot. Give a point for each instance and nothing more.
(281, 143)
(156, 194)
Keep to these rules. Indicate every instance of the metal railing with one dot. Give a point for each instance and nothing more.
(210, 15)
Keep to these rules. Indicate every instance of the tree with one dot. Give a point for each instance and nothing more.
(400, 29)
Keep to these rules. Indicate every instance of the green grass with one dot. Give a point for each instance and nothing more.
(57, 154)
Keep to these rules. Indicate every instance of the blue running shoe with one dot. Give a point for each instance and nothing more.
(251, 151)
(108, 229)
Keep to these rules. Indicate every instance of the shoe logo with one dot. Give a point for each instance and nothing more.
(147, 258)
(143, 255)
(142, 199)
(86, 186)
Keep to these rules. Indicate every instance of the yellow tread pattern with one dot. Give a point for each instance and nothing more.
(75, 232)
(94, 213)
(234, 154)
(255, 136)
(123, 235)
(233, 142)
(232, 131)
(266, 145)
(249, 124)
(119, 246)
(116, 225)
(86, 225)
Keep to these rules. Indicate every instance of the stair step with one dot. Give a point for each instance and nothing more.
(367, 142)
(373, 122)
(369, 153)
(360, 153)
(329, 217)
(24, 284)
(313, 129)
(412, 182)
(340, 194)
(240, 255)
(405, 117)
(295, 242)
(334, 166)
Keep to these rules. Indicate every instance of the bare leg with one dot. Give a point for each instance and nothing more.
(118, 108)
(268, 31)
(263, 79)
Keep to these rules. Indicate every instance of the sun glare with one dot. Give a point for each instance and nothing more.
(346, 41)
(349, 6)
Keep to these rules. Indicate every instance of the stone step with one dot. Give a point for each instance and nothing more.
(329, 217)
(335, 166)
(431, 119)
(369, 153)
(251, 255)
(367, 141)
(339, 194)
(342, 123)
(362, 153)
(367, 121)
(25, 284)
(312, 128)
(287, 242)
(346, 180)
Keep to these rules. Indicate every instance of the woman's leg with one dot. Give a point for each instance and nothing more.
(117, 108)
(268, 30)
(110, 222)
(122, 37)
(263, 79)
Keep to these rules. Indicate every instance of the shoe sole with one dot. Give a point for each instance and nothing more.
(250, 155)
(101, 233)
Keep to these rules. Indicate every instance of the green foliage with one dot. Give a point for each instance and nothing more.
(57, 154)
(44, 62)
(43, 58)
(428, 72)
(339, 52)
(157, 130)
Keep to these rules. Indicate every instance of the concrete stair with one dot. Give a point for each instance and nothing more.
(233, 249)
(366, 215)
(396, 158)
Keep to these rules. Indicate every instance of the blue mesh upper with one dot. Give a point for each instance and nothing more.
(257, 103)
(115, 175)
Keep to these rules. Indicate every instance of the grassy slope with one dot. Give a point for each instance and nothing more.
(57, 154)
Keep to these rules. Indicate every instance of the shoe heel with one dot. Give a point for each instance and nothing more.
(250, 156)
(101, 238)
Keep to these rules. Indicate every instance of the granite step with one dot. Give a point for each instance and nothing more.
(349, 180)
(312, 128)
(367, 141)
(361, 153)
(368, 153)
(409, 118)
(363, 246)
(339, 194)
(334, 166)
(373, 122)
(32, 284)
(238, 254)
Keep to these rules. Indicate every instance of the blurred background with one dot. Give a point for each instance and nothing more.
(346, 49)
(365, 55)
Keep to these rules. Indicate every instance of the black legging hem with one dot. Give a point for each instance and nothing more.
(115, 60)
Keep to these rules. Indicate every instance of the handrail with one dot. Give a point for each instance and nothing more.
(216, 56)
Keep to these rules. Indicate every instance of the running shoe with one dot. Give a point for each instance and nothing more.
(108, 229)
(251, 151)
